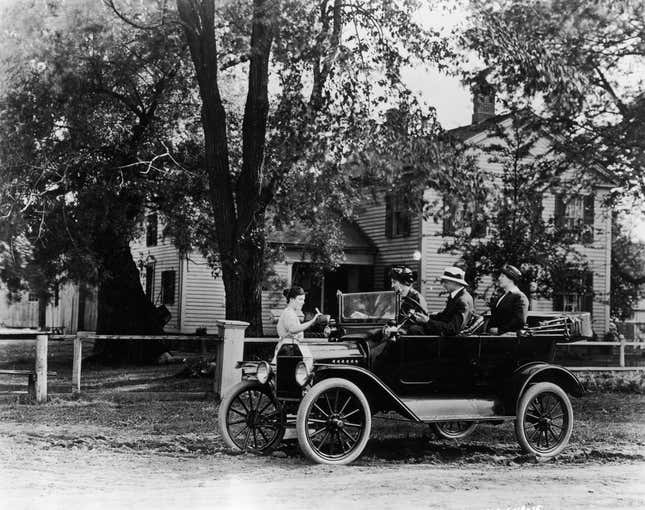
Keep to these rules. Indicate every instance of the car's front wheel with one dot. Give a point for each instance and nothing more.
(454, 429)
(334, 422)
(544, 420)
(251, 418)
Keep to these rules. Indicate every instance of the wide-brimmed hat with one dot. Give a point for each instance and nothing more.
(402, 274)
(454, 274)
(512, 272)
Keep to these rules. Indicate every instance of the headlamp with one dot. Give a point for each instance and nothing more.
(302, 373)
(263, 373)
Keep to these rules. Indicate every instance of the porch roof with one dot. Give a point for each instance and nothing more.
(354, 239)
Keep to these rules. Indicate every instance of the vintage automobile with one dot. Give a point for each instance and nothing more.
(368, 364)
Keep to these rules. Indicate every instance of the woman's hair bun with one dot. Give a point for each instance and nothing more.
(293, 292)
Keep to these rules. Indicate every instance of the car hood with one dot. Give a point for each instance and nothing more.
(329, 351)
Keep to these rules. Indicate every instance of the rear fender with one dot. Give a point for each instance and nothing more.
(532, 373)
(378, 394)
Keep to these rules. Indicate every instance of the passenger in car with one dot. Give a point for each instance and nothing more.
(413, 307)
(508, 312)
(459, 307)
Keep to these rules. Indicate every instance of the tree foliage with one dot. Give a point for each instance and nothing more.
(627, 271)
(85, 101)
(583, 63)
(501, 217)
(308, 136)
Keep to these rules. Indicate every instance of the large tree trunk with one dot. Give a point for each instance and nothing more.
(238, 207)
(243, 277)
(123, 307)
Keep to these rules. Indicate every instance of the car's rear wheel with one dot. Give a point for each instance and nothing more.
(251, 418)
(454, 429)
(544, 420)
(334, 422)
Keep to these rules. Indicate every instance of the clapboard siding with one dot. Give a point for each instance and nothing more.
(597, 253)
(166, 258)
(204, 299)
(391, 251)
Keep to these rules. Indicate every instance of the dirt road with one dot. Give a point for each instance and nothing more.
(62, 477)
(105, 454)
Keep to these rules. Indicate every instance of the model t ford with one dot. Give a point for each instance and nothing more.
(369, 365)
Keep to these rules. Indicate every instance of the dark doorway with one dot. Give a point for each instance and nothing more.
(322, 288)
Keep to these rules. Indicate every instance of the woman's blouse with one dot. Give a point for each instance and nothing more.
(287, 324)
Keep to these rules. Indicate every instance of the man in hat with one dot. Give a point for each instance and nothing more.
(459, 307)
(508, 312)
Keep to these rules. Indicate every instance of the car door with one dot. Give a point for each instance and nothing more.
(437, 364)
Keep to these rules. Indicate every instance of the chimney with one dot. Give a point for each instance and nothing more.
(483, 106)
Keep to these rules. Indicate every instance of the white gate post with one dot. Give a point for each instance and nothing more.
(230, 350)
(41, 368)
(77, 362)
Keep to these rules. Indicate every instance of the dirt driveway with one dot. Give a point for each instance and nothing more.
(62, 478)
(105, 454)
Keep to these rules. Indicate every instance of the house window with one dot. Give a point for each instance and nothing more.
(150, 281)
(151, 230)
(397, 218)
(33, 296)
(168, 287)
(574, 292)
(457, 215)
(576, 215)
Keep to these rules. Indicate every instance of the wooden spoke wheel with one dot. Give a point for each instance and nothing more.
(333, 422)
(251, 418)
(544, 420)
(454, 429)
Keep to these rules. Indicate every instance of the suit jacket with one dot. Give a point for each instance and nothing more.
(454, 317)
(509, 314)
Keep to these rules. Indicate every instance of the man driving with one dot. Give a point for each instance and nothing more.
(413, 307)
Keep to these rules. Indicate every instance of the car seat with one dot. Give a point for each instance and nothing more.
(475, 325)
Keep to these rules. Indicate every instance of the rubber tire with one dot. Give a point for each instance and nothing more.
(527, 398)
(303, 412)
(236, 390)
(448, 435)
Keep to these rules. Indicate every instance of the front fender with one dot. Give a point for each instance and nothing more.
(539, 371)
(378, 394)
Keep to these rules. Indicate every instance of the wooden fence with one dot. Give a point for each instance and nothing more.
(229, 341)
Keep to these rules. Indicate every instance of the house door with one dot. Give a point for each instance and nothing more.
(321, 288)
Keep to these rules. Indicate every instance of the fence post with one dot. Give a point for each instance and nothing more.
(621, 352)
(230, 350)
(77, 361)
(41, 368)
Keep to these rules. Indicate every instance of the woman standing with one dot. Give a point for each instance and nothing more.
(289, 327)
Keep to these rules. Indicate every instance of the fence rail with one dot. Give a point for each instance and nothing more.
(230, 342)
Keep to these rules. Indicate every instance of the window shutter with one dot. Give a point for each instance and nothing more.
(406, 220)
(388, 216)
(168, 287)
(587, 304)
(558, 214)
(588, 233)
(448, 228)
(558, 301)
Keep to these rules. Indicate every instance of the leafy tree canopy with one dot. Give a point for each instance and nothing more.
(581, 64)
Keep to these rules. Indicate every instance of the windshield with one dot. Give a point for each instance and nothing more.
(367, 307)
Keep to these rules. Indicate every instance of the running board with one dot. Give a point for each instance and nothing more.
(453, 409)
